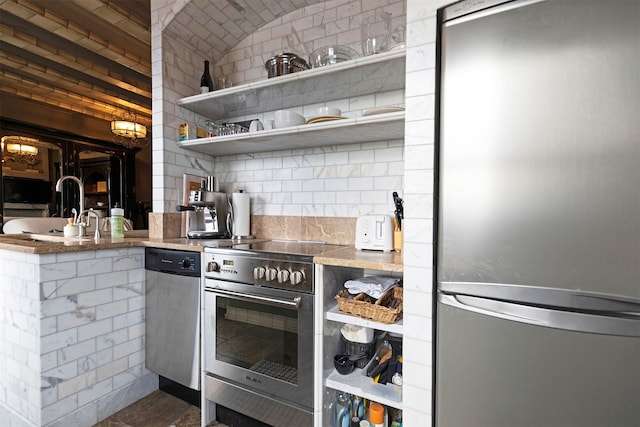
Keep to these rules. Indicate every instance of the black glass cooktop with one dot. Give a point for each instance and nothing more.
(290, 247)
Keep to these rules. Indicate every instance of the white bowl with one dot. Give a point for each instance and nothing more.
(286, 118)
(328, 111)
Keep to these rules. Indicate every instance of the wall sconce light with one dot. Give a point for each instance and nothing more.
(128, 132)
(21, 149)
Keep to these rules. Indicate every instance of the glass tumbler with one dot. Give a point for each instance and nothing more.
(375, 33)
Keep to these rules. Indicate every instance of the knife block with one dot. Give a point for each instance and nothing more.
(397, 240)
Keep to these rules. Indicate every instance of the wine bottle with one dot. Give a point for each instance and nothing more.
(206, 84)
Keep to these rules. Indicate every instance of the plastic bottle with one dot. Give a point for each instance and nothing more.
(343, 408)
(117, 222)
(206, 84)
(376, 415)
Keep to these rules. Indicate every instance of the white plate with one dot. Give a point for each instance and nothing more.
(382, 110)
(319, 119)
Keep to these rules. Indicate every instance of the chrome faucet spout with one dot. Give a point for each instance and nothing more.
(86, 225)
(80, 187)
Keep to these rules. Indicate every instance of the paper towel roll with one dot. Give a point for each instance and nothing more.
(241, 214)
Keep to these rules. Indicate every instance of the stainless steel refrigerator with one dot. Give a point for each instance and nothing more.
(538, 224)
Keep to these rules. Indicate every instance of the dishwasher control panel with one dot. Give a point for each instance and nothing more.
(182, 263)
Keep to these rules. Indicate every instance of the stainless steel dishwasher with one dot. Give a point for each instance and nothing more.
(172, 315)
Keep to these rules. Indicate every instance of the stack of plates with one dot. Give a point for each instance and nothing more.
(382, 110)
(320, 119)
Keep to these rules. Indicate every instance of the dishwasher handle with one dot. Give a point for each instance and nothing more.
(294, 302)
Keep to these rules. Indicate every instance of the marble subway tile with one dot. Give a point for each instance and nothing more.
(58, 340)
(128, 347)
(108, 341)
(75, 285)
(93, 392)
(73, 385)
(78, 317)
(61, 270)
(111, 310)
(95, 298)
(115, 278)
(94, 329)
(112, 368)
(55, 306)
(128, 319)
(60, 408)
(76, 351)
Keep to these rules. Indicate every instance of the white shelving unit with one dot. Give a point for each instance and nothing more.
(357, 77)
(361, 76)
(361, 385)
(336, 316)
(338, 132)
(357, 382)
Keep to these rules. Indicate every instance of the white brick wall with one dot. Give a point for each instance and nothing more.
(77, 318)
(418, 197)
(291, 181)
(282, 182)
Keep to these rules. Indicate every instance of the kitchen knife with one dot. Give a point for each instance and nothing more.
(399, 209)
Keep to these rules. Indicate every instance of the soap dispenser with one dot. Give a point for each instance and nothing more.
(70, 230)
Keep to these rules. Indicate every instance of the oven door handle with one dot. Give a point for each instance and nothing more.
(295, 302)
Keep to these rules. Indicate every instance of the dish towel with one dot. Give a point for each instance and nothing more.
(374, 286)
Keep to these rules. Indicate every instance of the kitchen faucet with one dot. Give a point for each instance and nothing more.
(80, 186)
(82, 226)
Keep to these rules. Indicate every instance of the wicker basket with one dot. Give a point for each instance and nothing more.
(387, 309)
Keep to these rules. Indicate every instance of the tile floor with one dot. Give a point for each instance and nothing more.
(158, 409)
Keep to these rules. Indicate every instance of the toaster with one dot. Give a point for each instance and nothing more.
(374, 232)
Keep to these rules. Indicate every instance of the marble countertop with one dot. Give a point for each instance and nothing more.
(357, 258)
(55, 243)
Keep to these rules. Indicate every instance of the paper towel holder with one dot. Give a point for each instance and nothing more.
(233, 220)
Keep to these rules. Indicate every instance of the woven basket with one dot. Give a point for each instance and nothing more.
(380, 311)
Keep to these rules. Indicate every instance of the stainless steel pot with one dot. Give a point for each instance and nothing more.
(285, 63)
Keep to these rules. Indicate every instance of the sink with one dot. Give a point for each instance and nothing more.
(29, 237)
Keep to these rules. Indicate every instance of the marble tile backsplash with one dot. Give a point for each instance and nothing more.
(340, 181)
(77, 319)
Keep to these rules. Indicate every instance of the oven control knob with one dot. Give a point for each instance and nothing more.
(270, 274)
(258, 273)
(296, 277)
(213, 266)
(283, 276)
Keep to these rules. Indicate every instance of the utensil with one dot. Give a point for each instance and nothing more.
(286, 63)
(399, 209)
(375, 34)
(328, 111)
(286, 118)
(327, 55)
(345, 363)
(255, 126)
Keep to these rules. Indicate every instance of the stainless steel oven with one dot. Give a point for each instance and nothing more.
(258, 330)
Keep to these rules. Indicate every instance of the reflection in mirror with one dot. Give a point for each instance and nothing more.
(101, 174)
(30, 168)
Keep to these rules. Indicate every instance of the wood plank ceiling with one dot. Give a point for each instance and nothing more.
(87, 57)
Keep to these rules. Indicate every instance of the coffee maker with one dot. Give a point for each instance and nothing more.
(208, 214)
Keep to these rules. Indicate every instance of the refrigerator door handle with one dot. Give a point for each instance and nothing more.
(562, 299)
(545, 317)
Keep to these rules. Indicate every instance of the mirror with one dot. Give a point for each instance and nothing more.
(34, 159)
(30, 168)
